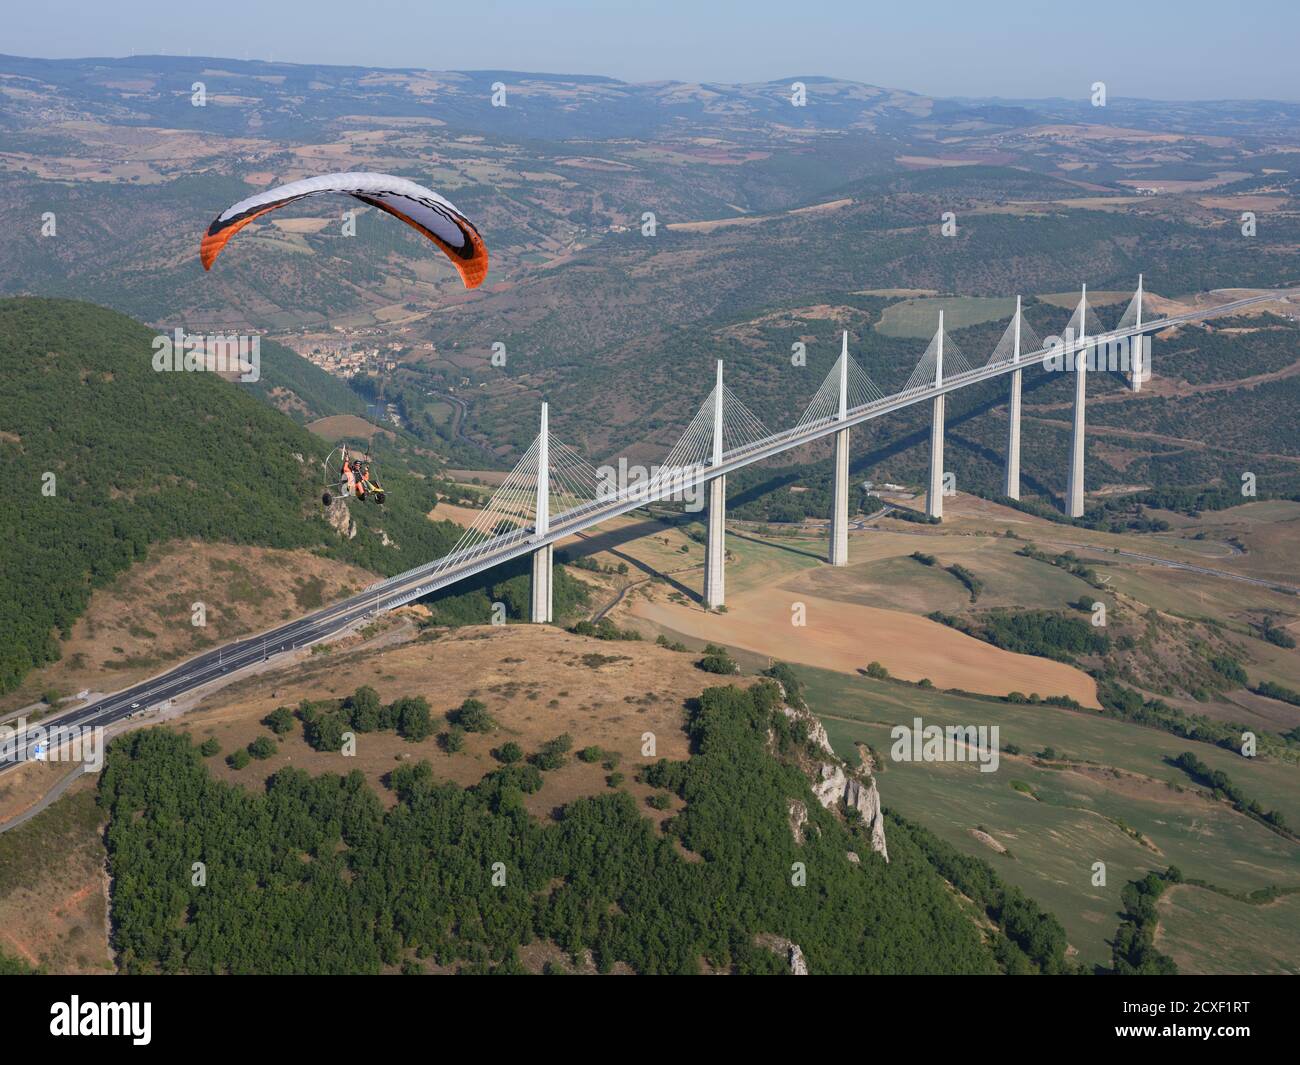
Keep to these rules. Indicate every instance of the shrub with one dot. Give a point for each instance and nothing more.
(262, 747)
(472, 716)
(717, 660)
(412, 718)
(279, 720)
(552, 754)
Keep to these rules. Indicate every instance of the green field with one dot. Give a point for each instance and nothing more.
(762, 563)
(1208, 933)
(918, 318)
(900, 582)
(1074, 818)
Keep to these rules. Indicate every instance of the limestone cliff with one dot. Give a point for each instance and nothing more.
(340, 518)
(833, 782)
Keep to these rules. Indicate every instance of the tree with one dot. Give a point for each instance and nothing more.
(262, 747)
(552, 754)
(209, 747)
(508, 753)
(413, 718)
(472, 716)
(717, 660)
(279, 720)
(363, 708)
(238, 759)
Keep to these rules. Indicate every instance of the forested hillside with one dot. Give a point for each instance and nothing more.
(104, 456)
(314, 876)
(302, 389)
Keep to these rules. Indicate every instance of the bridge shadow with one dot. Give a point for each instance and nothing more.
(610, 542)
(802, 551)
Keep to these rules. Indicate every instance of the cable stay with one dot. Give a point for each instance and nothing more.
(928, 372)
(1006, 348)
(858, 387)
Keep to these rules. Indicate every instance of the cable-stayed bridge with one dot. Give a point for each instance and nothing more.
(553, 492)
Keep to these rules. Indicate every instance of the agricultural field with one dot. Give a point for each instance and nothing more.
(1208, 933)
(1108, 795)
(918, 318)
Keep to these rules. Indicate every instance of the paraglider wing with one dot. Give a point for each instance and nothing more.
(420, 208)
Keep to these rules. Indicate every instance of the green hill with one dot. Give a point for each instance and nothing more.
(105, 456)
(313, 876)
(320, 393)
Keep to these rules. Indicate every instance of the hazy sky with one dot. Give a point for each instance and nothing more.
(1188, 49)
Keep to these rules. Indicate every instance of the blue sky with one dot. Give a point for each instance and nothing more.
(1189, 49)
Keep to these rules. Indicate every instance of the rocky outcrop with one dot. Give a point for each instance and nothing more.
(788, 949)
(834, 782)
(798, 818)
(865, 798)
(340, 518)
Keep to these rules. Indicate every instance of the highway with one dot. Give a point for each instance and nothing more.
(435, 576)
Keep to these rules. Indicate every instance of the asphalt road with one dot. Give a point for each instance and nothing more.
(211, 665)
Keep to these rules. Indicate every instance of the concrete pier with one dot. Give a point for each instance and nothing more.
(1074, 485)
(839, 547)
(934, 493)
(1137, 372)
(543, 557)
(543, 563)
(1011, 485)
(715, 558)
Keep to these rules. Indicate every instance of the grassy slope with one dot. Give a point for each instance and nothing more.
(1055, 839)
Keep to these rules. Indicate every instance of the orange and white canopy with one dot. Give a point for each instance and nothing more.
(420, 208)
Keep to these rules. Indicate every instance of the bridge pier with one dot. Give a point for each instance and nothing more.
(1011, 486)
(934, 493)
(715, 558)
(839, 552)
(1136, 375)
(839, 547)
(542, 603)
(544, 557)
(1074, 485)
